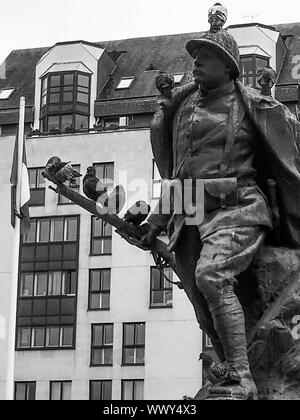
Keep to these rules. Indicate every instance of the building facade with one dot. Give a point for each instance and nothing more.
(95, 319)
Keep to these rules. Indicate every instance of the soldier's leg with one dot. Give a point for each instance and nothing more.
(187, 254)
(224, 255)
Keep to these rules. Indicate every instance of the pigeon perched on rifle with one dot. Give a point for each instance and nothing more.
(61, 171)
(137, 213)
(95, 190)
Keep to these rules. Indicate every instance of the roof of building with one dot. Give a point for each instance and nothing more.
(133, 56)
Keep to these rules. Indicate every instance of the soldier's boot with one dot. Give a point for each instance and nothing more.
(229, 322)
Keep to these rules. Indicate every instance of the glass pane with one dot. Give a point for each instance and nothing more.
(155, 279)
(83, 97)
(38, 337)
(53, 306)
(96, 247)
(105, 301)
(68, 97)
(41, 284)
(31, 391)
(156, 190)
(27, 253)
(97, 227)
(54, 99)
(40, 179)
(68, 306)
(108, 335)
(98, 335)
(55, 252)
(56, 391)
(66, 391)
(71, 229)
(106, 390)
(83, 80)
(44, 229)
(129, 356)
(261, 62)
(30, 235)
(66, 122)
(67, 337)
(24, 308)
(55, 282)
(95, 301)
(55, 80)
(95, 390)
(248, 81)
(106, 280)
(20, 392)
(127, 390)
(168, 298)
(247, 65)
(140, 334)
(57, 230)
(32, 178)
(81, 122)
(129, 335)
(138, 390)
(95, 280)
(69, 283)
(140, 356)
(44, 84)
(157, 297)
(26, 285)
(68, 79)
(53, 123)
(24, 337)
(39, 307)
(107, 246)
(97, 357)
(52, 336)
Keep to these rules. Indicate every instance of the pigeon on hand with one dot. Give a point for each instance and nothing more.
(138, 213)
(93, 188)
(215, 372)
(61, 171)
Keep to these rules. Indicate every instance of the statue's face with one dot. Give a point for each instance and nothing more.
(210, 69)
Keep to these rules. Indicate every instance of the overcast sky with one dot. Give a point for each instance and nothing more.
(36, 23)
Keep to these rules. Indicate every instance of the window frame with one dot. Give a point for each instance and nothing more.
(102, 381)
(104, 346)
(122, 79)
(62, 383)
(46, 112)
(134, 382)
(26, 383)
(163, 289)
(37, 189)
(12, 91)
(102, 238)
(101, 291)
(155, 181)
(254, 68)
(134, 346)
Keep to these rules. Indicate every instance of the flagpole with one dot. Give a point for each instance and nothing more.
(15, 265)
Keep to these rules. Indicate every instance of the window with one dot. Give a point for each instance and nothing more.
(6, 93)
(249, 66)
(55, 229)
(105, 172)
(133, 390)
(178, 78)
(37, 187)
(151, 67)
(61, 198)
(60, 391)
(125, 83)
(134, 344)
(101, 238)
(25, 391)
(102, 345)
(100, 390)
(116, 122)
(156, 182)
(161, 292)
(47, 292)
(99, 290)
(65, 102)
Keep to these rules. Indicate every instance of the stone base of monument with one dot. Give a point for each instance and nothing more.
(270, 294)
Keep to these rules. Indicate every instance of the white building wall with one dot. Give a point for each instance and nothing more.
(173, 339)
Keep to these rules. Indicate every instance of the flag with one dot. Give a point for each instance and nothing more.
(24, 190)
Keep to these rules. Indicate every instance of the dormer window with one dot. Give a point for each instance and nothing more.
(6, 93)
(178, 78)
(125, 83)
(151, 67)
(65, 102)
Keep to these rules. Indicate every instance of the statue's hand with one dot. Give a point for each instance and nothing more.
(150, 233)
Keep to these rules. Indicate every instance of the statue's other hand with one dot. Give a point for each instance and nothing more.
(149, 233)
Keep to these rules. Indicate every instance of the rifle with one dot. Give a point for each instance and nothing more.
(131, 233)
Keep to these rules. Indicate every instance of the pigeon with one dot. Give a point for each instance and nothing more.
(61, 171)
(138, 213)
(215, 372)
(93, 188)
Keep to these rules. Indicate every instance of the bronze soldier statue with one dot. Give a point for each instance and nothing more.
(236, 140)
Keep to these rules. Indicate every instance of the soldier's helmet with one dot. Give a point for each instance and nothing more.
(218, 39)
